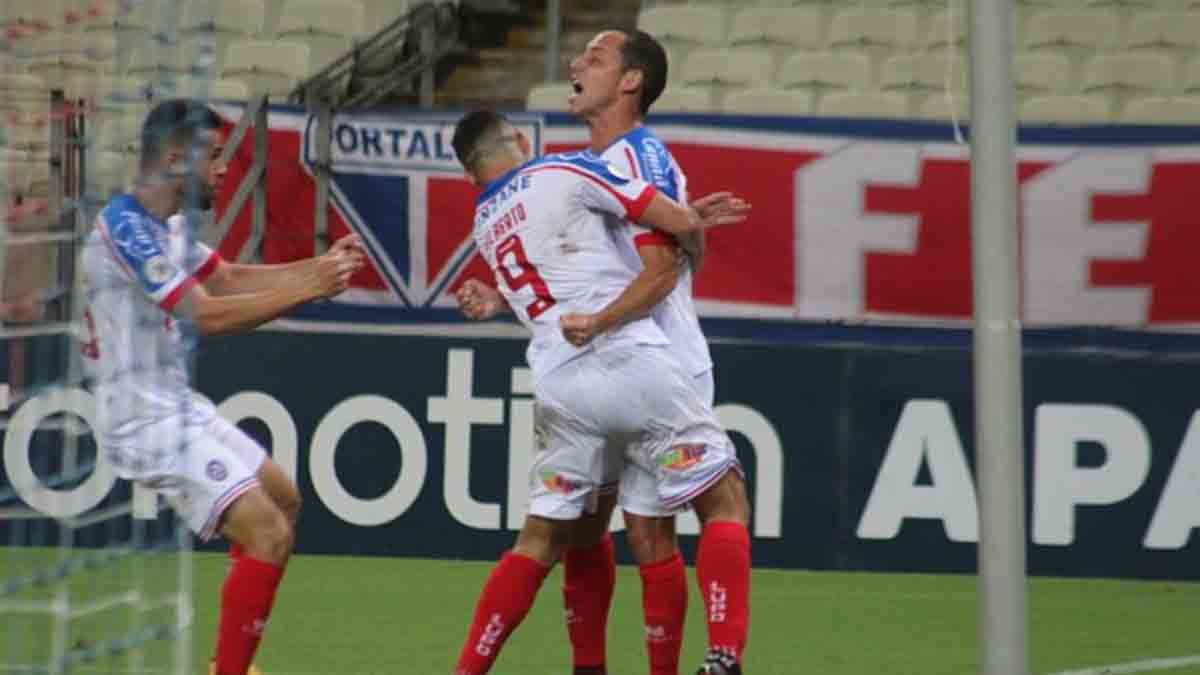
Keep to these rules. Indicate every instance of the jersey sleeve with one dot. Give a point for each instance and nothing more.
(602, 187)
(202, 261)
(132, 242)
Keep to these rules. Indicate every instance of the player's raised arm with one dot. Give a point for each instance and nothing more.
(236, 278)
(325, 277)
(718, 208)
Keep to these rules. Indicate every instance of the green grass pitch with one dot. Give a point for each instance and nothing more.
(353, 616)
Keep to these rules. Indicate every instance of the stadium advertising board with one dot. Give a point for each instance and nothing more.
(859, 458)
(863, 221)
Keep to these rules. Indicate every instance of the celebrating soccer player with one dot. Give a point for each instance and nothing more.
(150, 286)
(541, 227)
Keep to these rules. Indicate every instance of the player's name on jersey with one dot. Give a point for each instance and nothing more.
(376, 144)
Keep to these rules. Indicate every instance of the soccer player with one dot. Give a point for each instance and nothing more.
(540, 226)
(150, 287)
(615, 81)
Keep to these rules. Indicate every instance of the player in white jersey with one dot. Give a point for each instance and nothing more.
(150, 289)
(616, 80)
(540, 225)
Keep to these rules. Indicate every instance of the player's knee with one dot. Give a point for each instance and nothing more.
(650, 540)
(543, 540)
(290, 505)
(272, 538)
(726, 500)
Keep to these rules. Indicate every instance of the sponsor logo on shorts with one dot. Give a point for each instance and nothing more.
(556, 482)
(216, 470)
(683, 457)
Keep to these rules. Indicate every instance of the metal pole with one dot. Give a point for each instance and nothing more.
(428, 38)
(999, 438)
(553, 36)
(324, 172)
(258, 220)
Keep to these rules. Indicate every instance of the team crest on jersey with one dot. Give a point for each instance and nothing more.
(216, 470)
(157, 270)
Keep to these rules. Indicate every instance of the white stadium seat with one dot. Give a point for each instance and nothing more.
(1039, 74)
(942, 33)
(17, 90)
(864, 104)
(273, 68)
(794, 28)
(1164, 30)
(684, 99)
(924, 74)
(1191, 79)
(380, 13)
(820, 72)
(91, 53)
(728, 67)
(1087, 30)
(1123, 74)
(941, 107)
(873, 29)
(675, 23)
(769, 101)
(548, 96)
(1066, 109)
(328, 27)
(1163, 110)
(223, 22)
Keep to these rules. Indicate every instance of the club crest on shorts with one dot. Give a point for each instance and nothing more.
(683, 457)
(556, 482)
(216, 470)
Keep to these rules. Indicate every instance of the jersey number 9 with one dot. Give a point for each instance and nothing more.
(527, 275)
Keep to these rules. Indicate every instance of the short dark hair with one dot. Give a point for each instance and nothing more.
(642, 52)
(472, 131)
(177, 120)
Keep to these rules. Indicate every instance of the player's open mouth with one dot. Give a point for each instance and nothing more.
(576, 89)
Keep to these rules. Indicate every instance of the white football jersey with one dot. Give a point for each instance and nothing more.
(137, 268)
(542, 229)
(640, 154)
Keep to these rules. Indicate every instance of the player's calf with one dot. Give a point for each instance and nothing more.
(723, 572)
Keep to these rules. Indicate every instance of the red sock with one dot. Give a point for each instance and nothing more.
(506, 599)
(723, 569)
(664, 602)
(246, 603)
(589, 576)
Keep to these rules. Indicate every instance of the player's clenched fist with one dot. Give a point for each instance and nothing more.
(332, 272)
(477, 300)
(580, 329)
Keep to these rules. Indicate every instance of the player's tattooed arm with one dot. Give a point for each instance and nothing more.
(326, 277)
(660, 272)
(478, 301)
(234, 278)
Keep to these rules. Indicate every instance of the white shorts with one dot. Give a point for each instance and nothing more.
(639, 492)
(630, 404)
(216, 464)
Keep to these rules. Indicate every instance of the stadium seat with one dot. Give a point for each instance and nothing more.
(108, 95)
(1124, 74)
(108, 172)
(1164, 30)
(768, 101)
(328, 27)
(728, 67)
(1040, 74)
(223, 22)
(93, 53)
(821, 72)
(924, 74)
(273, 68)
(864, 104)
(1191, 79)
(873, 29)
(152, 61)
(27, 131)
(684, 99)
(28, 15)
(379, 13)
(940, 107)
(120, 134)
(225, 89)
(17, 90)
(682, 27)
(1066, 109)
(791, 28)
(548, 96)
(941, 34)
(1163, 110)
(1074, 31)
